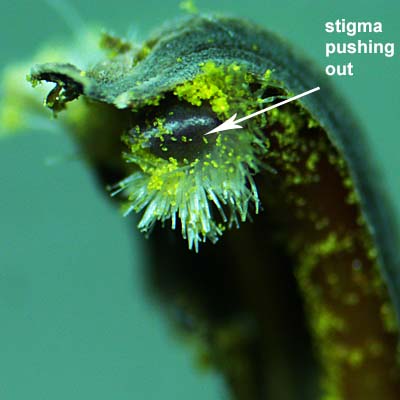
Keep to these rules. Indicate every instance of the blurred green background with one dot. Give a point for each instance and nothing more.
(76, 320)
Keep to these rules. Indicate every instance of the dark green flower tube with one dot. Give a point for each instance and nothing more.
(273, 246)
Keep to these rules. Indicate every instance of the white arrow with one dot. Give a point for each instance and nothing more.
(230, 123)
